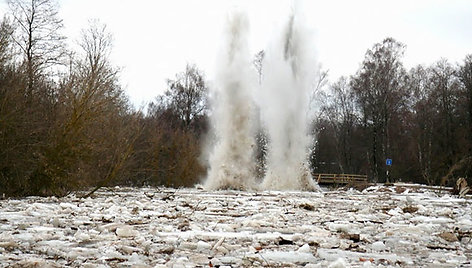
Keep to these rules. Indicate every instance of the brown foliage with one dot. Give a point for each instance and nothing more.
(168, 153)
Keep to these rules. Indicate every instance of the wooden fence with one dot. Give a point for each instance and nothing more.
(339, 178)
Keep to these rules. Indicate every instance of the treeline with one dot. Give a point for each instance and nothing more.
(420, 118)
(66, 124)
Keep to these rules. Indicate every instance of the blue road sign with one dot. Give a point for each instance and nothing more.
(388, 162)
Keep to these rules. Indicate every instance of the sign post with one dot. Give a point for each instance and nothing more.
(388, 162)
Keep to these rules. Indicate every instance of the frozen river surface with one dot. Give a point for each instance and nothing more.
(395, 226)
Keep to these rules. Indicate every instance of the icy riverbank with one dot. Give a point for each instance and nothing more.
(149, 227)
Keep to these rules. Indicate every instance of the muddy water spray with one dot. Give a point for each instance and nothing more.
(232, 161)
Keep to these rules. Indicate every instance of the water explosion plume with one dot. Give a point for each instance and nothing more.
(232, 162)
(289, 67)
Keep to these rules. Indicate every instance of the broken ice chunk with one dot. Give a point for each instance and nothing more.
(126, 231)
(378, 246)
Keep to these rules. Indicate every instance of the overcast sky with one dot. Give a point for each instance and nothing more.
(153, 40)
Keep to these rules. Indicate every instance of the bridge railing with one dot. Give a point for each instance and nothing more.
(323, 178)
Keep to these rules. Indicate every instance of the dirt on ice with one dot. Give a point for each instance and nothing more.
(394, 226)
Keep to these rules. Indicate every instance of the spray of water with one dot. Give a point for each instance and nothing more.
(283, 100)
(289, 67)
(232, 161)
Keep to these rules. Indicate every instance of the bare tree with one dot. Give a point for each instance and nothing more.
(38, 36)
(379, 87)
(92, 87)
(423, 123)
(98, 109)
(340, 111)
(97, 77)
(435, 127)
(444, 87)
(89, 137)
(317, 92)
(6, 34)
(187, 94)
(465, 76)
